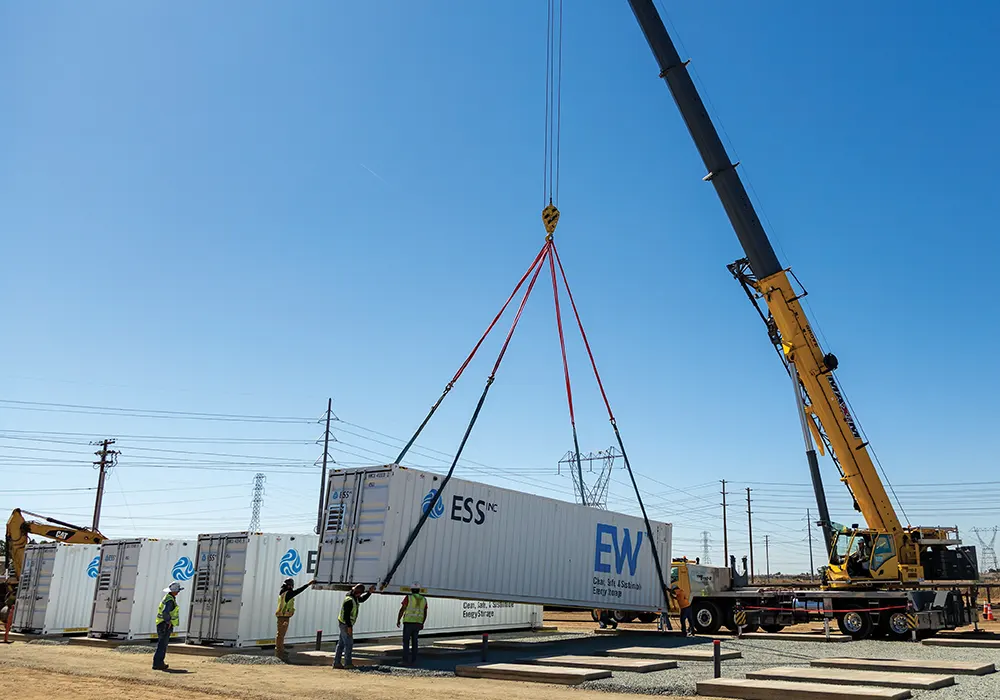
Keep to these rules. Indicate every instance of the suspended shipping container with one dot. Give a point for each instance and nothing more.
(486, 542)
(130, 581)
(56, 591)
(238, 576)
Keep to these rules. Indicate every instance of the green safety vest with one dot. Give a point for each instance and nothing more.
(416, 609)
(342, 618)
(175, 614)
(286, 608)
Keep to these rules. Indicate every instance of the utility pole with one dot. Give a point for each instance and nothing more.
(725, 530)
(750, 532)
(325, 457)
(809, 531)
(108, 459)
(767, 557)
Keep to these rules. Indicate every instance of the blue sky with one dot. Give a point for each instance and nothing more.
(244, 209)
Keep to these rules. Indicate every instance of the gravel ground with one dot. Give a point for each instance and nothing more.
(135, 649)
(48, 642)
(397, 671)
(248, 660)
(761, 653)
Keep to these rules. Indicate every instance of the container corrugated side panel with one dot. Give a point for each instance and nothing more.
(526, 547)
(33, 588)
(161, 562)
(71, 596)
(377, 617)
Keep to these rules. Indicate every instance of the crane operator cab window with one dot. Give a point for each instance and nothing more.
(854, 551)
(883, 552)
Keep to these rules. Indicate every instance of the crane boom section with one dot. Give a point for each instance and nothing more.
(827, 403)
(721, 171)
(771, 281)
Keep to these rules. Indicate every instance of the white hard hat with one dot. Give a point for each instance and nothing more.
(173, 588)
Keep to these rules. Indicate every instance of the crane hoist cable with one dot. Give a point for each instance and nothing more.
(548, 253)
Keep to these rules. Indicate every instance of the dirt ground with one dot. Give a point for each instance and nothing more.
(44, 672)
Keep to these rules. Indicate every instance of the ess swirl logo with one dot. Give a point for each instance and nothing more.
(438, 507)
(94, 567)
(183, 570)
(290, 564)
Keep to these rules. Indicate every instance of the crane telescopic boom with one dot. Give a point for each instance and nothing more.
(901, 552)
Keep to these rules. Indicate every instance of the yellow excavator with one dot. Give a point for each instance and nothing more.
(18, 529)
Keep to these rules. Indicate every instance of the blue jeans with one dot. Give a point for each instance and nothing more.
(345, 646)
(688, 615)
(163, 631)
(410, 632)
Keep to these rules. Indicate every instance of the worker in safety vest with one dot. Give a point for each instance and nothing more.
(348, 616)
(284, 612)
(168, 616)
(413, 615)
(7, 611)
(684, 604)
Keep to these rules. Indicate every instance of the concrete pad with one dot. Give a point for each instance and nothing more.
(325, 658)
(199, 650)
(379, 650)
(960, 668)
(917, 681)
(531, 673)
(102, 643)
(959, 642)
(465, 643)
(797, 637)
(608, 663)
(689, 653)
(789, 690)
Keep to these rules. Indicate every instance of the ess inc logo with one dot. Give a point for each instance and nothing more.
(290, 564)
(94, 567)
(624, 554)
(183, 570)
(463, 508)
(438, 507)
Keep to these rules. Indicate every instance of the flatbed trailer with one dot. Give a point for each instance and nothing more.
(885, 613)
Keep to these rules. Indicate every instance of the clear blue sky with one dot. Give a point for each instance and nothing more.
(244, 208)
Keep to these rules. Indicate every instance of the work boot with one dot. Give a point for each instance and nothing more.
(164, 667)
(338, 665)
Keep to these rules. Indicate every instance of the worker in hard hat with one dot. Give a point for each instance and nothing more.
(413, 615)
(348, 616)
(286, 608)
(168, 616)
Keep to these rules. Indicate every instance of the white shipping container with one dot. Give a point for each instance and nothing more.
(130, 581)
(238, 576)
(56, 591)
(487, 542)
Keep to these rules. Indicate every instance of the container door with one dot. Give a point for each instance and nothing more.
(102, 617)
(33, 591)
(127, 572)
(204, 589)
(233, 571)
(372, 506)
(339, 531)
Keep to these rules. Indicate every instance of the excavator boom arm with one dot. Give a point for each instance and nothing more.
(18, 529)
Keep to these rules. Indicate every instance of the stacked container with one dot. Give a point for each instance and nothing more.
(130, 581)
(56, 590)
(235, 591)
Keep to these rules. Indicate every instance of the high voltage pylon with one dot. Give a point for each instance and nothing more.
(988, 562)
(706, 547)
(258, 500)
(596, 495)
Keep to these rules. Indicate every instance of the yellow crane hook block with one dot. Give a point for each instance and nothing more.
(550, 217)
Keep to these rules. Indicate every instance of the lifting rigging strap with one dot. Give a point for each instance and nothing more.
(550, 219)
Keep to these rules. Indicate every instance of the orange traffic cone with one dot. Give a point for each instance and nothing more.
(988, 612)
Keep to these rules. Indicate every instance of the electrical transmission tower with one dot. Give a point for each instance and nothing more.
(258, 500)
(595, 495)
(706, 547)
(988, 560)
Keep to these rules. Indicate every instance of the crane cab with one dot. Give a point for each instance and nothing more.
(860, 555)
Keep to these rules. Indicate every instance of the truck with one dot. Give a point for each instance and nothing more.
(880, 580)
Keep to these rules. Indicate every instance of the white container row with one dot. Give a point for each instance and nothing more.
(484, 542)
(238, 576)
(56, 591)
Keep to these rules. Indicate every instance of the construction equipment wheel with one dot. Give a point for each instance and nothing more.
(595, 615)
(622, 616)
(893, 626)
(855, 623)
(730, 622)
(707, 618)
(772, 628)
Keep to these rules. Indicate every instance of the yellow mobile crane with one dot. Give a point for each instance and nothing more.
(886, 555)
